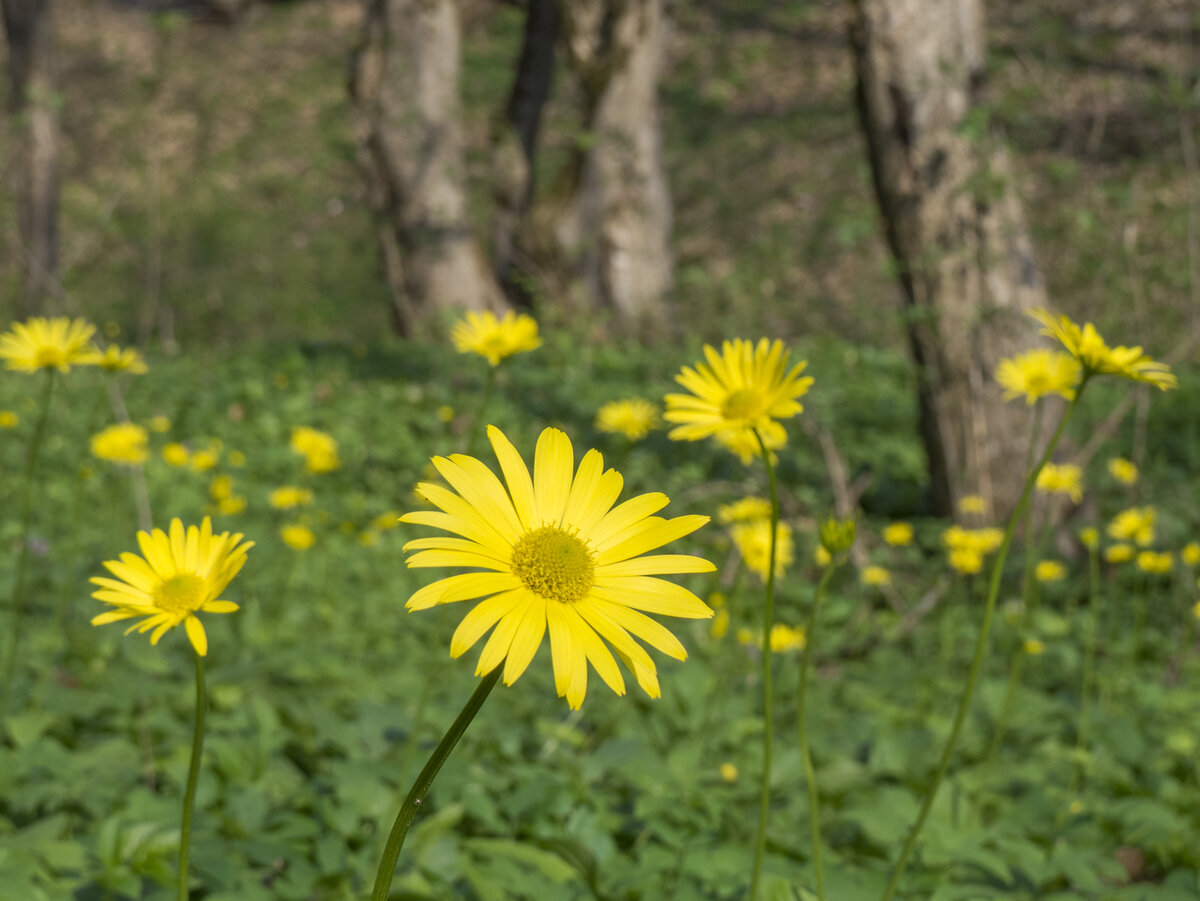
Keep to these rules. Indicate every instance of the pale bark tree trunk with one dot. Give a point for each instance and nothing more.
(610, 216)
(405, 84)
(28, 26)
(956, 229)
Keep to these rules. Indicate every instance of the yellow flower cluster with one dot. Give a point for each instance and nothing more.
(747, 509)
(288, 496)
(1065, 479)
(1135, 524)
(124, 443)
(319, 449)
(968, 547)
(1155, 562)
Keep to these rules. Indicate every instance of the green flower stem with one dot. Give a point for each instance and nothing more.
(416, 794)
(1089, 662)
(189, 793)
(760, 840)
(964, 703)
(17, 604)
(810, 775)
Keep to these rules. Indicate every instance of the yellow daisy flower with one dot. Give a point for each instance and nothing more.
(176, 454)
(1065, 479)
(554, 558)
(720, 625)
(159, 423)
(319, 449)
(821, 556)
(634, 418)
(9, 419)
(747, 509)
(1085, 344)
(494, 339)
(898, 534)
(876, 575)
(729, 772)
(47, 344)
(1118, 553)
(114, 359)
(753, 540)
(1124, 471)
(1190, 553)
(1037, 373)
(288, 496)
(297, 536)
(965, 560)
(1049, 571)
(1154, 562)
(1033, 647)
(972, 503)
(1089, 536)
(786, 638)
(125, 443)
(743, 388)
(180, 574)
(1135, 524)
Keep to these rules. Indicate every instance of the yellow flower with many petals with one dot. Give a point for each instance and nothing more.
(634, 418)
(125, 443)
(1154, 562)
(555, 556)
(743, 389)
(898, 534)
(1049, 571)
(114, 359)
(1085, 345)
(297, 536)
(1118, 553)
(181, 573)
(319, 449)
(494, 339)
(1124, 471)
(747, 509)
(753, 541)
(288, 496)
(876, 575)
(1065, 479)
(38, 343)
(1135, 524)
(1037, 373)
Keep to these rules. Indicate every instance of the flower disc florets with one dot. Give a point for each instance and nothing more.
(554, 564)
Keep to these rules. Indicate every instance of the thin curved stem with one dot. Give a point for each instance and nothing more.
(189, 792)
(18, 593)
(810, 774)
(1089, 660)
(416, 794)
(989, 609)
(760, 840)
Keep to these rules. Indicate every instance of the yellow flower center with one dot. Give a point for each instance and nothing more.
(744, 404)
(47, 356)
(181, 593)
(553, 564)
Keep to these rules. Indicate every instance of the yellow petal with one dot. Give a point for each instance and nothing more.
(482, 617)
(553, 463)
(527, 640)
(195, 632)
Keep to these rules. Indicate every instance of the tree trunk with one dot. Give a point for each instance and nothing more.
(405, 84)
(957, 232)
(618, 228)
(33, 102)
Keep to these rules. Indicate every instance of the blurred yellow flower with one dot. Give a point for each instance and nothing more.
(966, 561)
(634, 418)
(898, 534)
(747, 636)
(745, 387)
(743, 443)
(821, 557)
(176, 454)
(753, 541)
(1037, 373)
(729, 772)
(1155, 562)
(319, 449)
(875, 575)
(494, 339)
(180, 574)
(297, 536)
(368, 538)
(232, 505)
(204, 460)
(1061, 479)
(1123, 470)
(39, 343)
(1089, 536)
(159, 423)
(125, 443)
(972, 503)
(114, 359)
(8, 419)
(221, 488)
(1033, 647)
(1049, 571)
(720, 624)
(1190, 553)
(1135, 524)
(288, 496)
(445, 413)
(386, 521)
(747, 509)
(237, 459)
(1096, 357)
(785, 638)
(981, 541)
(1118, 553)
(716, 600)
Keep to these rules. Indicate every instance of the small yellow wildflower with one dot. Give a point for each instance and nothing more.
(159, 424)
(237, 459)
(753, 540)
(1037, 373)
(634, 418)
(1085, 344)
(1090, 536)
(717, 600)
(221, 488)
(319, 449)
(445, 413)
(1190, 553)
(729, 772)
(1049, 571)
(204, 460)
(898, 534)
(8, 419)
(125, 443)
(39, 343)
(972, 503)
(297, 536)
(288, 496)
(1033, 647)
(746, 636)
(368, 538)
(114, 359)
(1065, 479)
(1118, 553)
(176, 454)
(1124, 471)
(1154, 562)
(821, 557)
(981, 541)
(876, 575)
(385, 522)
(1136, 524)
(494, 339)
(786, 638)
(743, 443)
(966, 561)
(720, 624)
(232, 505)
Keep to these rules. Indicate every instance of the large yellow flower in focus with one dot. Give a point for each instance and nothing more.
(743, 388)
(554, 555)
(1037, 373)
(180, 574)
(494, 339)
(1085, 345)
(47, 344)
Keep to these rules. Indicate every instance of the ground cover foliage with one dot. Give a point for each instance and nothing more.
(327, 696)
